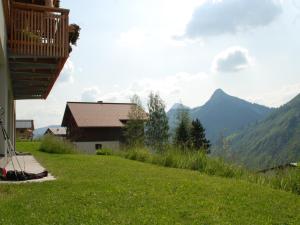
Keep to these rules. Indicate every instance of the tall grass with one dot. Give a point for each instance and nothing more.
(193, 160)
(199, 161)
(51, 144)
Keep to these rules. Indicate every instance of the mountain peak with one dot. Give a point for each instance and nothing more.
(179, 106)
(219, 93)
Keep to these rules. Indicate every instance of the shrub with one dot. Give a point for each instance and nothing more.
(51, 144)
(104, 151)
(142, 154)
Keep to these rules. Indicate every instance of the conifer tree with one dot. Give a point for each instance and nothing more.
(182, 132)
(198, 138)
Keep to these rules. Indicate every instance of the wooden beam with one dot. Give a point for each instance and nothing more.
(39, 7)
(27, 65)
(29, 91)
(16, 56)
(26, 82)
(17, 74)
(26, 97)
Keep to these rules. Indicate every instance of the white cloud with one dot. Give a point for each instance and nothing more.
(134, 37)
(232, 59)
(43, 112)
(171, 88)
(216, 17)
(91, 94)
(277, 98)
(67, 74)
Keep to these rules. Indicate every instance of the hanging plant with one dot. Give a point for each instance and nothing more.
(57, 3)
(74, 32)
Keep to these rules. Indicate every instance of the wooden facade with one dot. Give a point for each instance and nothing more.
(90, 134)
(24, 134)
(24, 129)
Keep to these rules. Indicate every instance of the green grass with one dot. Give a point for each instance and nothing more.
(104, 151)
(112, 190)
(287, 180)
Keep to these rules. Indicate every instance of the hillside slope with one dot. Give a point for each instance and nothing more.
(224, 114)
(111, 190)
(273, 141)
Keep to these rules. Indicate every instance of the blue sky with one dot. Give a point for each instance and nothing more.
(184, 49)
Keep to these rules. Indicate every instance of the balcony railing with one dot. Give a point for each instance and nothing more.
(38, 31)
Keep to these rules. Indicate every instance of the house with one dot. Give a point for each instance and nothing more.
(59, 132)
(24, 129)
(34, 46)
(92, 126)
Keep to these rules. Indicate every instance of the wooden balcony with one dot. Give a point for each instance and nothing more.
(38, 44)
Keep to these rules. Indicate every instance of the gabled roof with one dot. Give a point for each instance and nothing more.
(57, 131)
(97, 114)
(24, 124)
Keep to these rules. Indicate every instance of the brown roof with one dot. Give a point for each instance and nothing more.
(98, 114)
(60, 131)
(24, 124)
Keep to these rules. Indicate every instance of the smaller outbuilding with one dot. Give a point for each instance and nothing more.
(24, 129)
(59, 132)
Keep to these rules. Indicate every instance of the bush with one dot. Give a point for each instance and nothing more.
(104, 151)
(51, 144)
(141, 154)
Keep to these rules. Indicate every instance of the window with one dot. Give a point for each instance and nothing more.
(98, 146)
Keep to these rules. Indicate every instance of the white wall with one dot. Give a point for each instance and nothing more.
(6, 95)
(2, 31)
(90, 147)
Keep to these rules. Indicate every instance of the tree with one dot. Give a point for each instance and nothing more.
(182, 132)
(157, 127)
(134, 128)
(198, 138)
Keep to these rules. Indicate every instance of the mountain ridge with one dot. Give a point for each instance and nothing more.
(223, 114)
(272, 141)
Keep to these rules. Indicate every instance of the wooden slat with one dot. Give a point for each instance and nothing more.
(39, 33)
(35, 30)
(63, 34)
(67, 36)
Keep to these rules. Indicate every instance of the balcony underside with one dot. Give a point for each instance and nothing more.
(32, 77)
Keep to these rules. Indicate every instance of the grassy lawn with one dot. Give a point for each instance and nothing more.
(112, 190)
